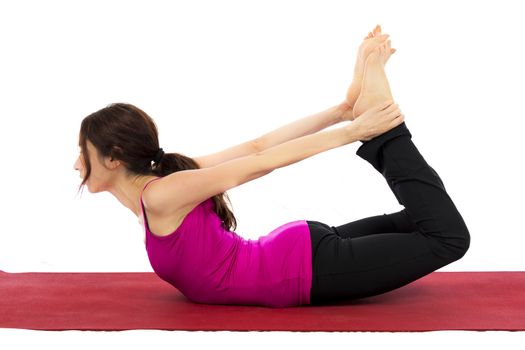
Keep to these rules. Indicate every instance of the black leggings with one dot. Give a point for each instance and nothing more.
(380, 253)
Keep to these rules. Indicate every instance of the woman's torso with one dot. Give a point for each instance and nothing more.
(208, 263)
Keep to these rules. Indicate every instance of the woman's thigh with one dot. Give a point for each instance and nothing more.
(398, 222)
(363, 266)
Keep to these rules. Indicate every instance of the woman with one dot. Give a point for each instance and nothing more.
(189, 228)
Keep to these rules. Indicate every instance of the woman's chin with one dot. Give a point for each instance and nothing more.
(95, 190)
(88, 186)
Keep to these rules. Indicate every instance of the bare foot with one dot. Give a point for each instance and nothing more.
(369, 44)
(375, 88)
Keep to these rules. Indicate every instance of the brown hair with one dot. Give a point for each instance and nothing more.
(123, 131)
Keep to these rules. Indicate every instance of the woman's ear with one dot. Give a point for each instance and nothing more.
(111, 161)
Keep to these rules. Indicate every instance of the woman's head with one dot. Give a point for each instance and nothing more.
(123, 138)
(117, 134)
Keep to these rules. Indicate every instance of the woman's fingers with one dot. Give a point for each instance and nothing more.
(391, 108)
(380, 119)
(398, 120)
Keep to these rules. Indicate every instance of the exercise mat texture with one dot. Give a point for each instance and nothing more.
(141, 300)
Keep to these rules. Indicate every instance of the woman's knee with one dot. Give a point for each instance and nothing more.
(455, 246)
(462, 246)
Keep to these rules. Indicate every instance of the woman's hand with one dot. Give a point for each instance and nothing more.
(377, 120)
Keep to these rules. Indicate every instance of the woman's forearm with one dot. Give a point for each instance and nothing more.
(301, 127)
(306, 146)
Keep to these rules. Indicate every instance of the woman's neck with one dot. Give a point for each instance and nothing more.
(128, 191)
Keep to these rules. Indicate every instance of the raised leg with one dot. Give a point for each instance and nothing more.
(419, 188)
(367, 263)
(378, 254)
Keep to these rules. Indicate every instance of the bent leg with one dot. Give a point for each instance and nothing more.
(370, 264)
(418, 187)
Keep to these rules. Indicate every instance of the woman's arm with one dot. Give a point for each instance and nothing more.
(305, 126)
(293, 151)
(241, 150)
(190, 187)
(186, 188)
(302, 127)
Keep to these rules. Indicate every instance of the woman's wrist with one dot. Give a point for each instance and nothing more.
(353, 133)
(345, 112)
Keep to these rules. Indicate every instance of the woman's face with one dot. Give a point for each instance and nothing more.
(100, 175)
(79, 164)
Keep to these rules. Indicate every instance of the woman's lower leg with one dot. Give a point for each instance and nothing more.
(364, 265)
(418, 187)
(415, 184)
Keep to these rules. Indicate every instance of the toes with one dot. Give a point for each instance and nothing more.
(377, 30)
(389, 49)
(385, 48)
(382, 37)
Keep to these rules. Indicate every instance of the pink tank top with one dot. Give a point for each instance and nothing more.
(212, 265)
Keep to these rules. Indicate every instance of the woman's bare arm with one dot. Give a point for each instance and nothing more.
(306, 146)
(301, 127)
(190, 187)
(187, 188)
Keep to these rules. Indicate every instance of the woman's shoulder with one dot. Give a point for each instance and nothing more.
(162, 220)
(154, 200)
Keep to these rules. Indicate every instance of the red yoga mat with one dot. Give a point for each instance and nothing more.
(140, 300)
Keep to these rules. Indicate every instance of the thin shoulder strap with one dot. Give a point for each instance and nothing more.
(140, 199)
(147, 183)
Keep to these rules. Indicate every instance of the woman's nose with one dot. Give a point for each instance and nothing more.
(76, 166)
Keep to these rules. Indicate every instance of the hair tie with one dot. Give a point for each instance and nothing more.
(158, 156)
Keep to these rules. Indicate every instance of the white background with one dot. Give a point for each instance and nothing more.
(213, 74)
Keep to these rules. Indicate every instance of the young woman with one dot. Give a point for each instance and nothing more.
(190, 238)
